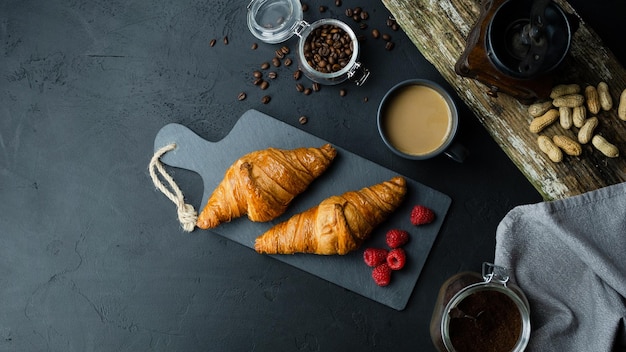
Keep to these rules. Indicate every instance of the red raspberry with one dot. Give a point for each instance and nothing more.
(375, 256)
(396, 259)
(382, 275)
(397, 238)
(421, 215)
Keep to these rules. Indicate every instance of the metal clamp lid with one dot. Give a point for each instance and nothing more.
(358, 74)
(495, 273)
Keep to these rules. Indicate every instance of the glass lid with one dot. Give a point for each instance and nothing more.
(274, 21)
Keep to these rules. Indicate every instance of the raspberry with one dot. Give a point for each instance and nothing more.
(396, 259)
(382, 275)
(397, 238)
(421, 215)
(375, 256)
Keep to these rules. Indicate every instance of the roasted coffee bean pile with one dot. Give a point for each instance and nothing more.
(328, 49)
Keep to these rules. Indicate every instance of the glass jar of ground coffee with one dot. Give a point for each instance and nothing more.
(481, 313)
(328, 49)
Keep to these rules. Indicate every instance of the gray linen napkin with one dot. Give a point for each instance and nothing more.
(569, 258)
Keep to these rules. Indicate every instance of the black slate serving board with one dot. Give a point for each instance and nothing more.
(254, 131)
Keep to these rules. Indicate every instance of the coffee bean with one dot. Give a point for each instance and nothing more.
(287, 62)
(357, 10)
(363, 25)
(389, 46)
(395, 27)
(299, 87)
(241, 96)
(342, 92)
(272, 75)
(257, 74)
(276, 62)
(364, 15)
(212, 42)
(225, 40)
(305, 7)
(265, 65)
(303, 120)
(307, 91)
(356, 18)
(264, 85)
(285, 50)
(297, 74)
(349, 12)
(257, 81)
(322, 8)
(327, 49)
(266, 99)
(279, 54)
(365, 99)
(254, 46)
(338, 3)
(386, 37)
(316, 87)
(375, 33)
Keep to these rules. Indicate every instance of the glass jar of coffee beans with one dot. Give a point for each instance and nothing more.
(328, 49)
(328, 52)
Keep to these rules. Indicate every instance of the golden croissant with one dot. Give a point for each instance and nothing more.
(338, 225)
(262, 183)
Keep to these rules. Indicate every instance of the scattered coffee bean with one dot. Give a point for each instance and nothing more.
(265, 65)
(342, 92)
(257, 74)
(276, 62)
(357, 10)
(363, 25)
(264, 85)
(338, 3)
(386, 37)
(266, 99)
(303, 120)
(316, 87)
(279, 54)
(328, 49)
(257, 81)
(356, 18)
(395, 27)
(364, 15)
(365, 99)
(389, 46)
(307, 91)
(297, 74)
(241, 96)
(322, 8)
(375, 33)
(285, 50)
(299, 87)
(254, 46)
(349, 12)
(305, 7)
(225, 40)
(390, 21)
(272, 75)
(212, 42)
(287, 62)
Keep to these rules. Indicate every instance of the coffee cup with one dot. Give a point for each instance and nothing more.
(418, 119)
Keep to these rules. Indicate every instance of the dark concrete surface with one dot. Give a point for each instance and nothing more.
(92, 257)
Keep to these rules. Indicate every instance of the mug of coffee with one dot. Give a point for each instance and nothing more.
(417, 119)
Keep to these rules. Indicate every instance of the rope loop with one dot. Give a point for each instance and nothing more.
(187, 215)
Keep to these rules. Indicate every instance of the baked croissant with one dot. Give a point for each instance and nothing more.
(338, 225)
(262, 183)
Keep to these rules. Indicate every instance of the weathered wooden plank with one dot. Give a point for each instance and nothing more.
(426, 22)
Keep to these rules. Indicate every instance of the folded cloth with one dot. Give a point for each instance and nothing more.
(569, 258)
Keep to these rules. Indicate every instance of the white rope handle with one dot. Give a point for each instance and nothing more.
(187, 215)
